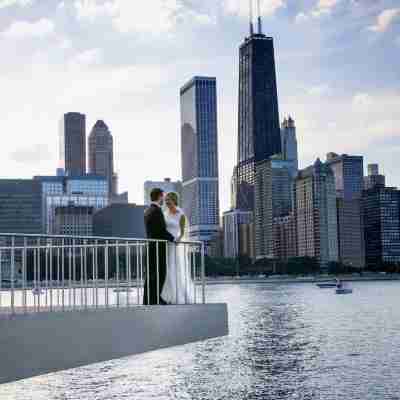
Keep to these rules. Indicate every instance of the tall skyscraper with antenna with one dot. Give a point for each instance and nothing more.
(259, 127)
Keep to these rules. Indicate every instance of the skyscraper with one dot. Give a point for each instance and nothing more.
(199, 138)
(101, 153)
(316, 217)
(348, 172)
(289, 142)
(374, 178)
(238, 234)
(73, 143)
(273, 198)
(381, 207)
(259, 134)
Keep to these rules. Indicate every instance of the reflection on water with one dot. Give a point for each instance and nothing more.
(286, 342)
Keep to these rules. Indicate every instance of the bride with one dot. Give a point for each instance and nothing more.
(179, 286)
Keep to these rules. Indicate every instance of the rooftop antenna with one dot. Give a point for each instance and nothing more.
(251, 18)
(259, 17)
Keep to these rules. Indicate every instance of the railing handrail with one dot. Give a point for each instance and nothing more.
(125, 239)
(67, 263)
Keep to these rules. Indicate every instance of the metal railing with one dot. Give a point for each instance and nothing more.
(40, 273)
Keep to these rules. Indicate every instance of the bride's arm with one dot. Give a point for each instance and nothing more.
(182, 223)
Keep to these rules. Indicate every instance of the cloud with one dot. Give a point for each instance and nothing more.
(9, 3)
(155, 16)
(319, 90)
(385, 19)
(31, 155)
(87, 58)
(362, 101)
(22, 29)
(323, 7)
(241, 7)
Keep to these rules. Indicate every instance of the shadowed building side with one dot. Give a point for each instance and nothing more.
(101, 154)
(73, 143)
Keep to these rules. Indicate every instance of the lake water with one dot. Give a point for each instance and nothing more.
(286, 342)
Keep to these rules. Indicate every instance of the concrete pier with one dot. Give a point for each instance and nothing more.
(34, 344)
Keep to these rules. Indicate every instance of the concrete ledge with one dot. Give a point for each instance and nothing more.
(36, 344)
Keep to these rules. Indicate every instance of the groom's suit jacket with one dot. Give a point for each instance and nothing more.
(156, 229)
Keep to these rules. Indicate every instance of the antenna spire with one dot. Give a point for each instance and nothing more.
(259, 17)
(251, 18)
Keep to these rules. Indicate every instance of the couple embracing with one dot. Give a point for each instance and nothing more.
(167, 225)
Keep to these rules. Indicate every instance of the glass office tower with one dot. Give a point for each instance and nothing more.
(199, 144)
(259, 134)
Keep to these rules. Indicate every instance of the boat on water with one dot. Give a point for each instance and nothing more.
(344, 291)
(122, 290)
(327, 285)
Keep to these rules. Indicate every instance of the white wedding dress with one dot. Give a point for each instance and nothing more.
(178, 287)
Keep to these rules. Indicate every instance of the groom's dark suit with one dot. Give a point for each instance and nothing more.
(156, 229)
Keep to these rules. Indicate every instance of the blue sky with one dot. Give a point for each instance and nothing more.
(124, 61)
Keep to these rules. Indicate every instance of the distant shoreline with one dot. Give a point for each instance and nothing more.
(247, 280)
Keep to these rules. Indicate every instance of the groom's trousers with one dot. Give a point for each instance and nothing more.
(151, 287)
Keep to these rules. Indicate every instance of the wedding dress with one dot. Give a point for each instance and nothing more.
(178, 287)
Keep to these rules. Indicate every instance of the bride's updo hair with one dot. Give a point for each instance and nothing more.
(174, 197)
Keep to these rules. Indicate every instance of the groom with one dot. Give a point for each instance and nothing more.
(156, 229)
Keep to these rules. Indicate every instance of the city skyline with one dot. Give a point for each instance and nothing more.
(57, 71)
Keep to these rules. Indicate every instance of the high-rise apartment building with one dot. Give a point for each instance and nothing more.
(199, 138)
(349, 171)
(273, 198)
(259, 135)
(284, 237)
(382, 225)
(238, 234)
(73, 143)
(101, 153)
(316, 216)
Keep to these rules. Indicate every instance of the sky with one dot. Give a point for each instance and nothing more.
(124, 61)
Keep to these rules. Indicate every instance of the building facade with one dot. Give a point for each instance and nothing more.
(374, 178)
(167, 185)
(259, 134)
(273, 198)
(199, 145)
(382, 225)
(120, 220)
(101, 154)
(238, 230)
(82, 191)
(284, 237)
(289, 143)
(348, 171)
(73, 220)
(73, 143)
(20, 206)
(316, 215)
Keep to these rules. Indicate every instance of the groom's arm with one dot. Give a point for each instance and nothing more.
(162, 233)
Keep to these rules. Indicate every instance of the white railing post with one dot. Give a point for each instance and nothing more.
(106, 273)
(203, 273)
(12, 275)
